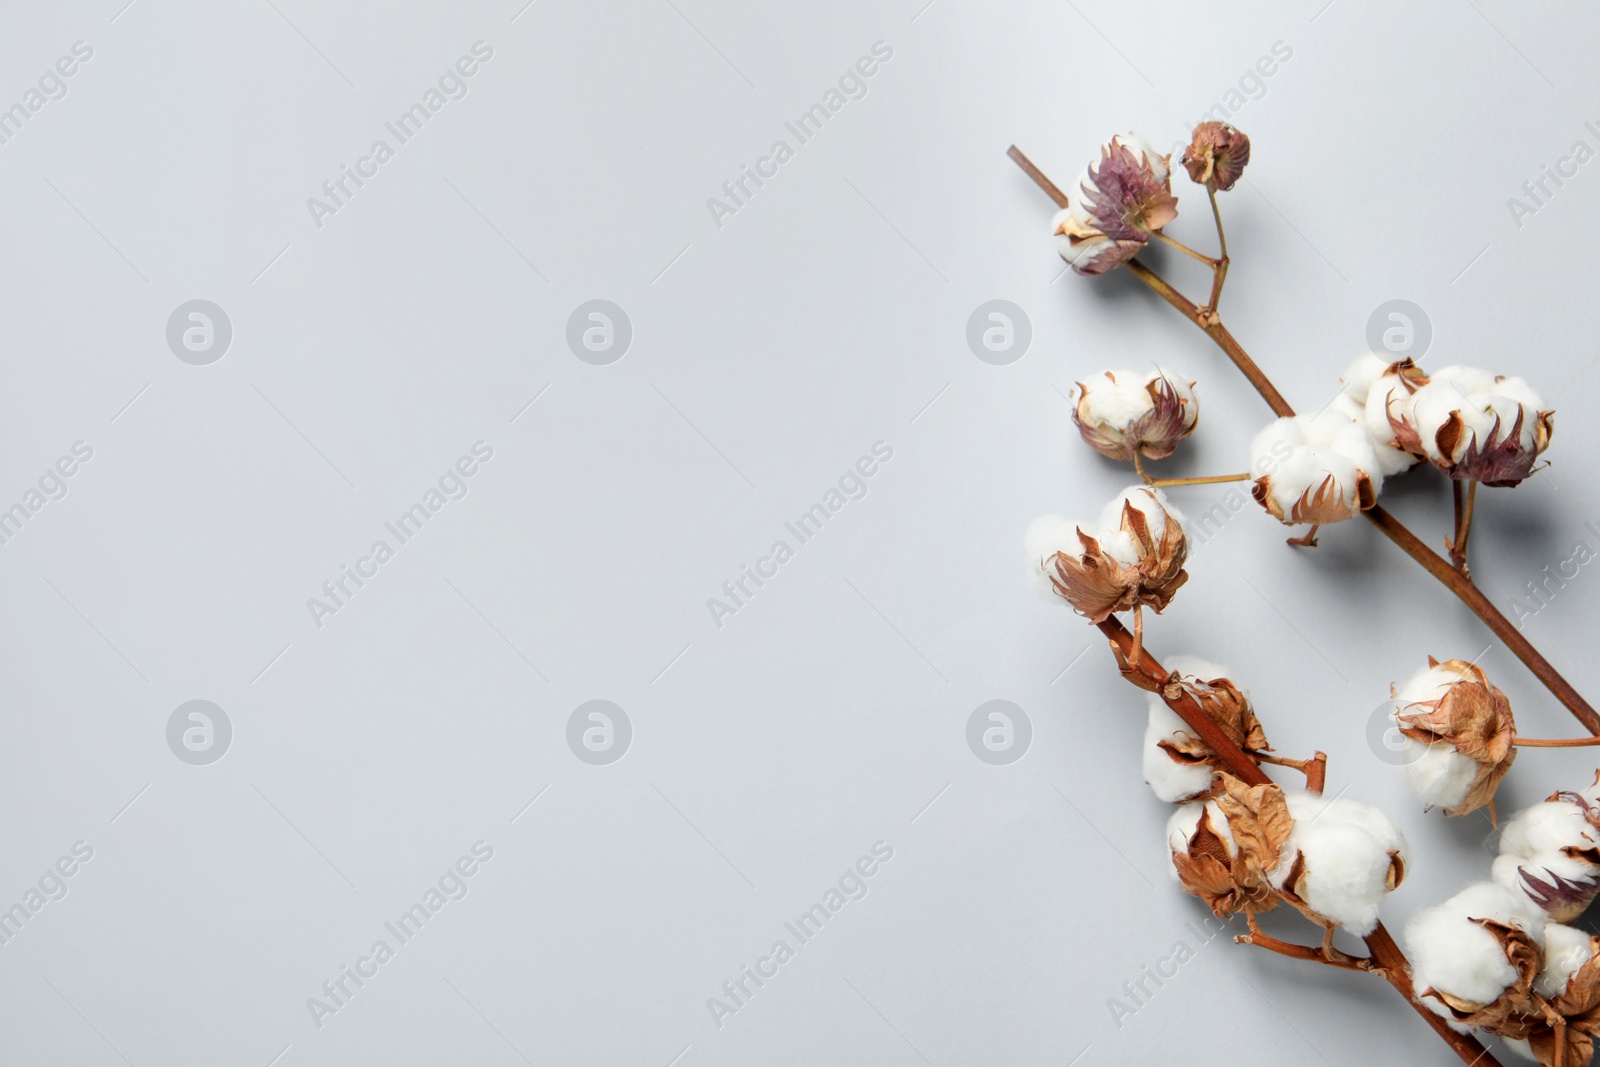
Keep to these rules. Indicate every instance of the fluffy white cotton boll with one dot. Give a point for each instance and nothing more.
(1173, 780)
(1047, 535)
(1437, 775)
(1349, 851)
(1316, 469)
(1548, 854)
(1566, 949)
(1121, 413)
(1453, 954)
(1152, 504)
(1487, 407)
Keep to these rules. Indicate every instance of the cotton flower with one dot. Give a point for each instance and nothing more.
(1340, 860)
(1315, 469)
(1178, 765)
(1550, 853)
(1225, 849)
(1475, 957)
(1121, 202)
(1134, 559)
(1122, 412)
(1457, 734)
(1476, 426)
(1375, 388)
(1217, 153)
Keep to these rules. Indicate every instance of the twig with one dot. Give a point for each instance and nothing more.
(1186, 250)
(1464, 493)
(1215, 479)
(1315, 769)
(1262, 939)
(1408, 542)
(1219, 274)
(1384, 956)
(1555, 742)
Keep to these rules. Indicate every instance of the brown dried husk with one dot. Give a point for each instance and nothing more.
(1474, 718)
(1098, 585)
(1258, 818)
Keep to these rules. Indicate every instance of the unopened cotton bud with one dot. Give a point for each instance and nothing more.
(1340, 861)
(1315, 469)
(1458, 735)
(1119, 204)
(1217, 153)
(1122, 412)
(1476, 426)
(1134, 558)
(1550, 853)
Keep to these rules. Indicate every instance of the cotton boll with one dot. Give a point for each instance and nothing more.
(1315, 469)
(1349, 856)
(1117, 203)
(1452, 954)
(1477, 426)
(1550, 853)
(1122, 412)
(1437, 775)
(1134, 559)
(1147, 500)
(1460, 735)
(1118, 542)
(1046, 536)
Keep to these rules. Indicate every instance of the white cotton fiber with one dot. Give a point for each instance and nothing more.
(1345, 848)
(1173, 780)
(1453, 954)
(1046, 536)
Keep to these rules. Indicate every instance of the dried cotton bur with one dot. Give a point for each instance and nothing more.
(1457, 736)
(1494, 959)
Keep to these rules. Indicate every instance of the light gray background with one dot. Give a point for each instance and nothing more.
(768, 355)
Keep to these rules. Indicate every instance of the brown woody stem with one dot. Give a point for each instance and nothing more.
(1384, 956)
(1473, 597)
(1217, 332)
(1315, 769)
(1464, 494)
(1261, 939)
(1219, 273)
(1215, 479)
(1555, 742)
(1409, 543)
(1186, 250)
